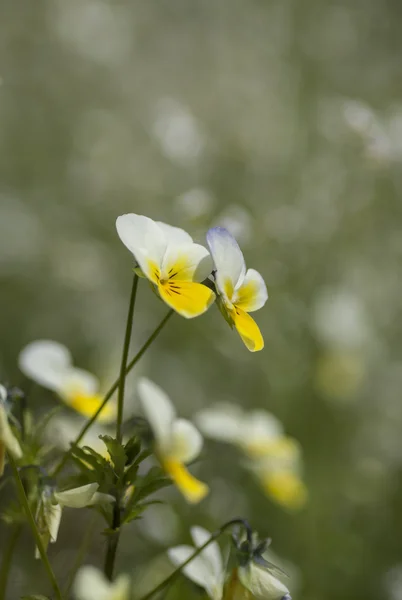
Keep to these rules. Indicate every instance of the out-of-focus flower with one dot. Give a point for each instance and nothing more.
(237, 220)
(177, 441)
(8, 441)
(63, 429)
(91, 584)
(170, 259)
(49, 364)
(257, 432)
(51, 503)
(240, 291)
(206, 569)
(340, 374)
(275, 458)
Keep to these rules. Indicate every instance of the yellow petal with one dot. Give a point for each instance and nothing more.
(187, 298)
(247, 329)
(87, 405)
(192, 489)
(286, 488)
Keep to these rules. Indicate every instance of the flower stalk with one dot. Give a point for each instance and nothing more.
(34, 528)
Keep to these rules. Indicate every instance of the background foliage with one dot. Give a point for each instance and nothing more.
(282, 120)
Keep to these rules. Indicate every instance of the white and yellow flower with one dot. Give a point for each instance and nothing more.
(206, 569)
(177, 441)
(254, 582)
(51, 504)
(170, 259)
(240, 291)
(50, 364)
(275, 458)
(91, 584)
(8, 441)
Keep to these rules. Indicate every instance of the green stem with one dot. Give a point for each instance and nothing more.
(7, 559)
(176, 572)
(124, 358)
(35, 531)
(80, 555)
(111, 391)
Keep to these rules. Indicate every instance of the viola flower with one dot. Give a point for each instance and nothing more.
(256, 433)
(206, 569)
(275, 458)
(8, 441)
(91, 584)
(170, 259)
(240, 291)
(254, 578)
(177, 441)
(50, 365)
(51, 503)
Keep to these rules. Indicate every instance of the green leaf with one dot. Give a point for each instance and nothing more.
(117, 453)
(130, 475)
(35, 597)
(132, 449)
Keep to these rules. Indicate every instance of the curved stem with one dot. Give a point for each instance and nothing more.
(7, 559)
(176, 572)
(35, 531)
(111, 391)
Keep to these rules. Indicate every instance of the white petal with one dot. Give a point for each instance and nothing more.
(76, 382)
(252, 294)
(91, 584)
(260, 426)
(3, 393)
(144, 238)
(228, 259)
(189, 262)
(77, 497)
(159, 411)
(261, 584)
(198, 570)
(45, 362)
(53, 521)
(100, 498)
(211, 553)
(6, 435)
(222, 422)
(186, 441)
(175, 235)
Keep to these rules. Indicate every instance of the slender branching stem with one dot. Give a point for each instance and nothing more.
(31, 521)
(111, 391)
(214, 536)
(124, 358)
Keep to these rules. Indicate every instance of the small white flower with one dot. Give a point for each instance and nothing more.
(91, 584)
(257, 432)
(51, 504)
(241, 291)
(8, 441)
(177, 441)
(170, 259)
(206, 569)
(261, 583)
(50, 364)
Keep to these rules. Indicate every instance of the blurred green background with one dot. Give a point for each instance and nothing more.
(281, 120)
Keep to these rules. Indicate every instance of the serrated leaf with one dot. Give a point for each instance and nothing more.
(130, 475)
(117, 453)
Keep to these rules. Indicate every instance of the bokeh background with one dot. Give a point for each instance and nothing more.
(281, 120)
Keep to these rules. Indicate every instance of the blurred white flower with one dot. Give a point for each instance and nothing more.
(51, 504)
(237, 220)
(91, 584)
(178, 132)
(170, 259)
(206, 569)
(62, 430)
(8, 441)
(240, 291)
(177, 441)
(194, 203)
(49, 364)
(340, 319)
